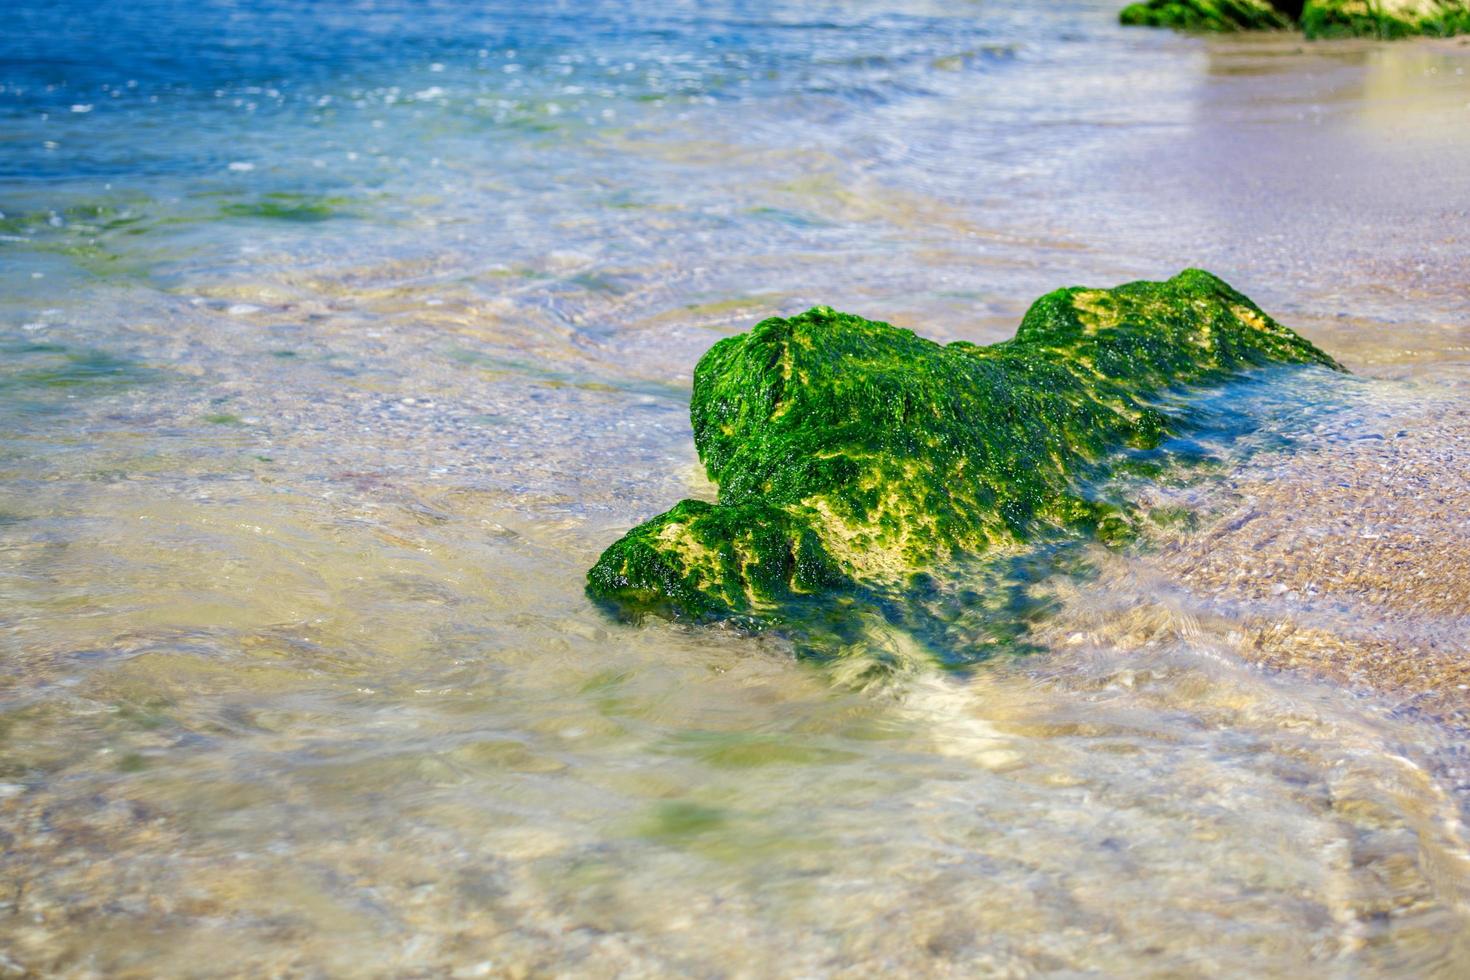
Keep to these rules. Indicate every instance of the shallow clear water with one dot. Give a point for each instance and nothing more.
(336, 340)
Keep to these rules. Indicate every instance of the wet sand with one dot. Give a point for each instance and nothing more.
(1355, 562)
(1348, 560)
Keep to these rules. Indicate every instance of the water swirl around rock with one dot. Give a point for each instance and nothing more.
(856, 460)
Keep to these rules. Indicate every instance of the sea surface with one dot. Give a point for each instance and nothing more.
(338, 338)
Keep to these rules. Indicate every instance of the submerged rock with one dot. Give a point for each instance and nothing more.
(856, 457)
(1317, 18)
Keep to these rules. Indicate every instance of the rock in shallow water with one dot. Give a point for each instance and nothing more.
(1206, 15)
(854, 456)
(1385, 18)
(1317, 18)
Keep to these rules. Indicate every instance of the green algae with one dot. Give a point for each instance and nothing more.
(1386, 19)
(679, 820)
(89, 217)
(1206, 15)
(128, 237)
(283, 206)
(857, 463)
(93, 236)
(60, 367)
(132, 762)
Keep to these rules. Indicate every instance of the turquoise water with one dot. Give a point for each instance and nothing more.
(337, 340)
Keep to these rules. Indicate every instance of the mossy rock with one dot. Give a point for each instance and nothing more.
(1316, 18)
(856, 459)
(1207, 15)
(1389, 19)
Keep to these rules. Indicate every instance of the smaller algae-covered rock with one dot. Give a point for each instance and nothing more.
(855, 458)
(1385, 18)
(1316, 18)
(1207, 15)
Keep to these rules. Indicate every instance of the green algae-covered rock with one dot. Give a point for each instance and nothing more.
(854, 456)
(1317, 18)
(1385, 18)
(1207, 15)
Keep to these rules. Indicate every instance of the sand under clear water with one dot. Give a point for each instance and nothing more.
(339, 340)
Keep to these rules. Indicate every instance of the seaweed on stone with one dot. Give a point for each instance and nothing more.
(1388, 19)
(1207, 15)
(1385, 19)
(856, 460)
